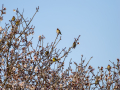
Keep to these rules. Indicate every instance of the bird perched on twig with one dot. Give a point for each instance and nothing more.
(54, 59)
(96, 81)
(108, 67)
(74, 45)
(13, 18)
(47, 53)
(17, 23)
(58, 31)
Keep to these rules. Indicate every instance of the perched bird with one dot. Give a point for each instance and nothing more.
(9, 44)
(74, 45)
(58, 31)
(54, 59)
(96, 81)
(17, 22)
(13, 18)
(47, 53)
(108, 67)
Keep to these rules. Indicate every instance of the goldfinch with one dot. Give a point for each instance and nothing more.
(108, 67)
(54, 59)
(47, 53)
(13, 18)
(74, 45)
(17, 22)
(96, 82)
(58, 31)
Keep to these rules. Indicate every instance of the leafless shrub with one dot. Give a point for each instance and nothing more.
(22, 68)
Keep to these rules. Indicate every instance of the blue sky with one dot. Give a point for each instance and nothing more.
(97, 21)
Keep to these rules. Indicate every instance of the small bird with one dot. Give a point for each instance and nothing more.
(47, 53)
(58, 31)
(54, 59)
(74, 45)
(13, 18)
(96, 81)
(17, 22)
(9, 44)
(108, 67)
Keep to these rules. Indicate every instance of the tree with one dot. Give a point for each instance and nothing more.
(22, 68)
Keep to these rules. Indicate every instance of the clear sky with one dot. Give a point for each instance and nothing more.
(97, 21)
